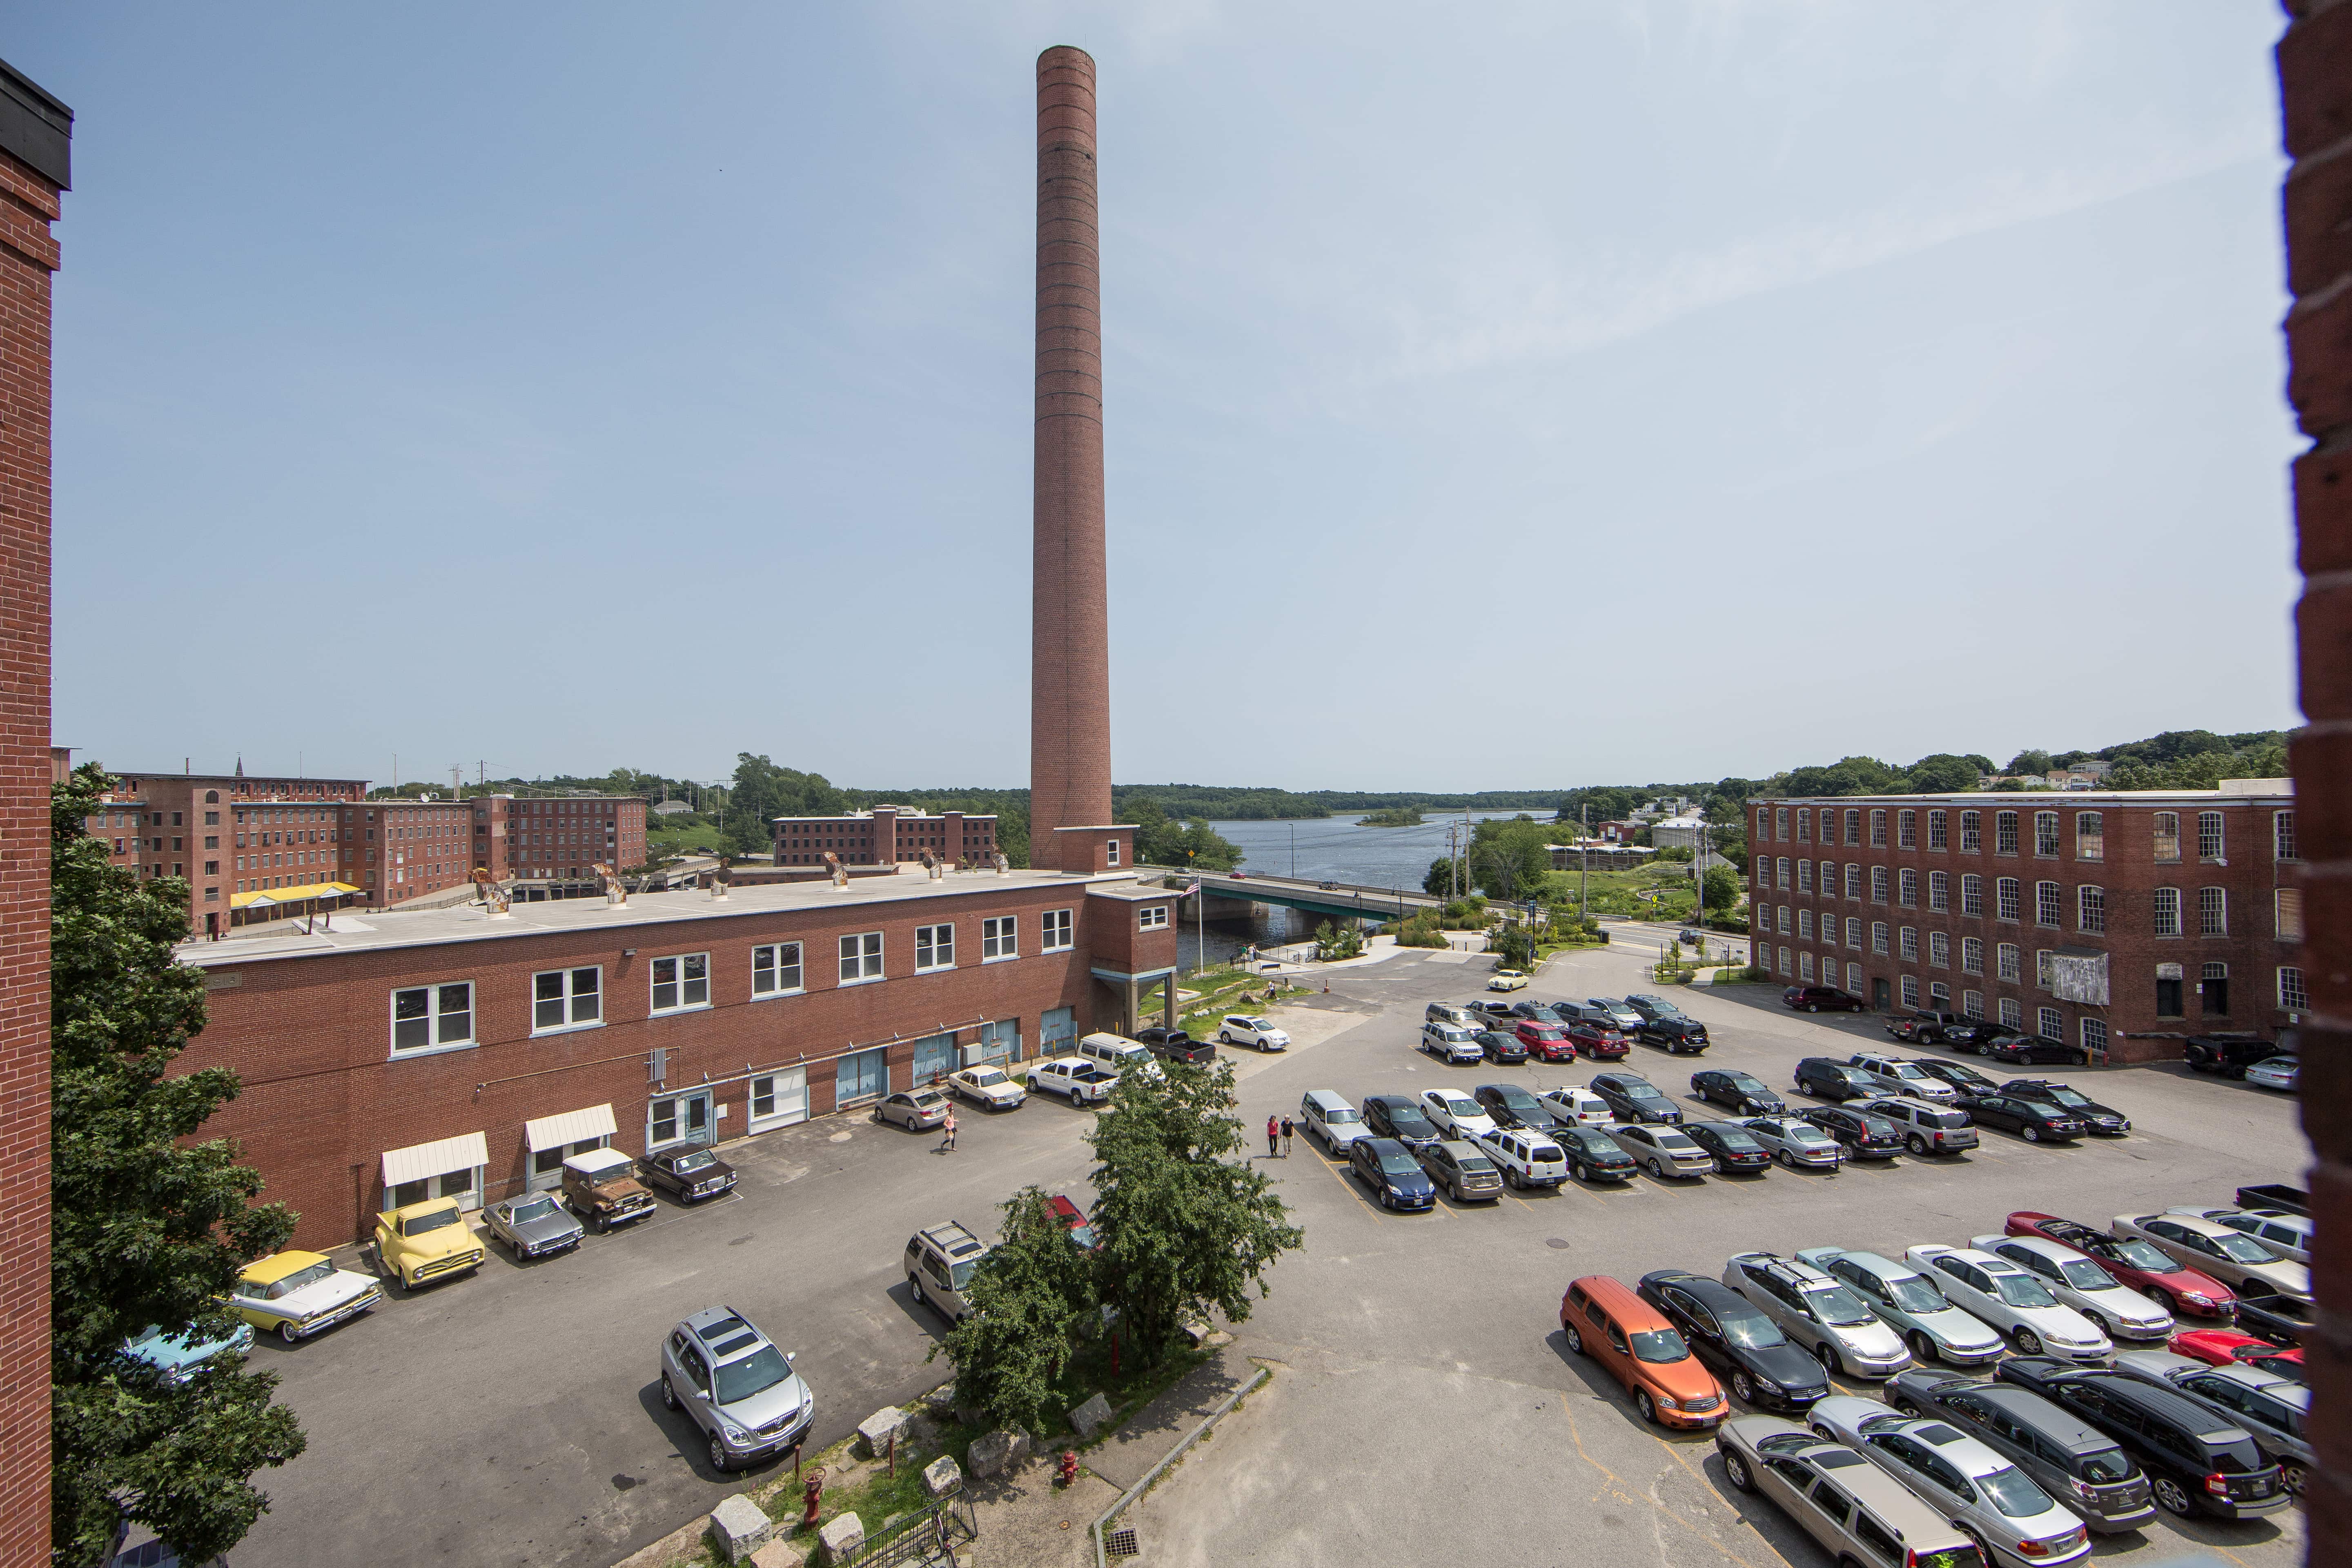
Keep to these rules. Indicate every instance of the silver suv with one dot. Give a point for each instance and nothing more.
(1895, 1076)
(736, 1385)
(939, 1264)
(1927, 1129)
(1819, 1312)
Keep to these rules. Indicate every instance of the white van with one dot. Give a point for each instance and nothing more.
(1117, 1053)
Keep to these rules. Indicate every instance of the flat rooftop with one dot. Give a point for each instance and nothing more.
(375, 930)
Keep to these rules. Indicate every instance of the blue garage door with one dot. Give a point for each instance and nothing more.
(934, 1056)
(862, 1077)
(1057, 1033)
(999, 1042)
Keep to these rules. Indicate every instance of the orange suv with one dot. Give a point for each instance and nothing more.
(1603, 1319)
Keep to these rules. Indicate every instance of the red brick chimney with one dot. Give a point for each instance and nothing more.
(35, 136)
(1069, 681)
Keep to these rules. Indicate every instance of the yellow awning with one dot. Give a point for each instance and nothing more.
(262, 900)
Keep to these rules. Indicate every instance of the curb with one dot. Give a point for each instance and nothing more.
(1169, 1457)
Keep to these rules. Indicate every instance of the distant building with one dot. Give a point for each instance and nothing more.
(1599, 855)
(882, 837)
(1678, 833)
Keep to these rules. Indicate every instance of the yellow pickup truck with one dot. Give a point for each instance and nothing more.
(430, 1240)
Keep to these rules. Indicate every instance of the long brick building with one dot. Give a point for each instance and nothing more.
(457, 1051)
(2120, 922)
(883, 835)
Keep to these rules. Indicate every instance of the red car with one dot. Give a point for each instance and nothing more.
(1820, 998)
(1597, 1042)
(2136, 1265)
(1081, 1230)
(2221, 1347)
(1546, 1042)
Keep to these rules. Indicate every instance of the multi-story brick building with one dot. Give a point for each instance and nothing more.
(230, 836)
(883, 835)
(458, 1051)
(2121, 922)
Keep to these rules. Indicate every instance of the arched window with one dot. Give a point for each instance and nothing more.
(2004, 833)
(1971, 894)
(1972, 832)
(2167, 834)
(2091, 910)
(211, 797)
(2090, 836)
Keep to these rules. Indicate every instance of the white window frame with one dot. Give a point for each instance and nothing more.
(1940, 949)
(1882, 885)
(1110, 851)
(1805, 925)
(1939, 889)
(2094, 1036)
(934, 948)
(1152, 917)
(2212, 837)
(2212, 911)
(2292, 996)
(2050, 1025)
(2163, 911)
(1906, 829)
(2049, 905)
(1878, 937)
(1854, 826)
(1805, 962)
(1971, 833)
(1055, 929)
(774, 969)
(2045, 835)
(860, 958)
(2287, 913)
(437, 1008)
(1878, 829)
(1805, 876)
(2009, 963)
(2090, 836)
(2008, 897)
(2091, 910)
(1804, 826)
(2283, 842)
(2005, 824)
(686, 977)
(1907, 889)
(2045, 970)
(1910, 991)
(1906, 944)
(1784, 918)
(567, 999)
(2012, 1013)
(1854, 881)
(2164, 837)
(999, 938)
(1972, 956)
(1971, 894)
(1972, 1004)
(1854, 978)
(1938, 831)
(1854, 932)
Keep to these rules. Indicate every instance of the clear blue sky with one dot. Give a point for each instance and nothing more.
(598, 385)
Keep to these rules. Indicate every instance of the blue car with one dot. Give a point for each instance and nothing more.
(1396, 1177)
(176, 1356)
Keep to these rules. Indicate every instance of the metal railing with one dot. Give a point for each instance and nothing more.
(928, 1535)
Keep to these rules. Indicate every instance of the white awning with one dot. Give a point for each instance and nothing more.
(572, 1127)
(466, 1151)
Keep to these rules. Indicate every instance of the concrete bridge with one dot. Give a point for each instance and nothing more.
(1333, 900)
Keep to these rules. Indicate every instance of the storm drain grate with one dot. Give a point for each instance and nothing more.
(1121, 1543)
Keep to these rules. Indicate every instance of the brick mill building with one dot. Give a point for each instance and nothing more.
(882, 837)
(461, 1052)
(2121, 922)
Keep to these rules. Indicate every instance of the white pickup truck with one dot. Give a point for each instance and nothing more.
(1076, 1078)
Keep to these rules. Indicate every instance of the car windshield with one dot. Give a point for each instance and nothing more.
(419, 1223)
(2085, 1275)
(530, 1209)
(2013, 1492)
(1745, 1083)
(1836, 1305)
(301, 1278)
(960, 1274)
(2144, 1255)
(1596, 1142)
(1339, 1118)
(1750, 1330)
(1905, 1070)
(1639, 1091)
(762, 1370)
(1518, 1099)
(1739, 1143)
(2240, 1248)
(984, 1078)
(702, 1159)
(1660, 1345)
(1916, 1293)
(2021, 1290)
(2069, 1097)
(1476, 1163)
(1397, 1165)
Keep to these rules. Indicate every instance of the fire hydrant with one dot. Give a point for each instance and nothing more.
(1068, 1472)
(813, 1494)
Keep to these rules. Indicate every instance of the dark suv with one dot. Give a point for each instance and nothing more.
(1835, 1080)
(1865, 1137)
(2231, 1055)
(1635, 1099)
(1675, 1032)
(1820, 998)
(2197, 1462)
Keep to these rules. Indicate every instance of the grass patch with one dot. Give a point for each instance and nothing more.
(1088, 1372)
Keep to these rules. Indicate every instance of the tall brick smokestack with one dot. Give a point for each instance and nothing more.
(1069, 654)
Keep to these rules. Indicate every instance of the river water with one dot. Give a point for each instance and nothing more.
(1325, 848)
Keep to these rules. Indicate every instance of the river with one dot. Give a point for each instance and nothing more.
(1327, 849)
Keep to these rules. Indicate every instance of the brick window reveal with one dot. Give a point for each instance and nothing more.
(1972, 836)
(1907, 944)
(1907, 830)
(2091, 910)
(1972, 1004)
(1854, 932)
(2053, 1025)
(1878, 829)
(934, 948)
(1152, 917)
(2212, 911)
(2006, 963)
(2165, 835)
(999, 938)
(1939, 889)
(1940, 949)
(1879, 882)
(1908, 886)
(861, 957)
(2090, 836)
(1854, 881)
(681, 983)
(2011, 1015)
(2209, 835)
(2283, 835)
(1971, 894)
(1854, 826)
(1878, 929)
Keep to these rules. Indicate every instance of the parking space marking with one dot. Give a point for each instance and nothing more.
(1617, 1487)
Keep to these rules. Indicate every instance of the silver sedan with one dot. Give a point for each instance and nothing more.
(533, 1225)
(1997, 1504)
(2216, 1249)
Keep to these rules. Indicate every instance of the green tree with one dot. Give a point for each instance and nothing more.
(1729, 839)
(764, 792)
(1186, 1227)
(2030, 761)
(1334, 942)
(1719, 890)
(1513, 947)
(1031, 1294)
(149, 1227)
(1942, 775)
(1510, 860)
(1439, 883)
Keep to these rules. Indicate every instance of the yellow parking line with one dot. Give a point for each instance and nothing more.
(1350, 1188)
(1621, 1488)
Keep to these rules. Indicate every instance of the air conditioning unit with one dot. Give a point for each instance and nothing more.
(970, 1055)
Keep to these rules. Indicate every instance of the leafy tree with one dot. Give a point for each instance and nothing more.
(2030, 761)
(1335, 943)
(1510, 860)
(149, 1227)
(1439, 883)
(1514, 947)
(1031, 1295)
(764, 792)
(1186, 1227)
(1943, 773)
(1719, 890)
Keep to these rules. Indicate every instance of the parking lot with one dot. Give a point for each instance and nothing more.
(512, 1418)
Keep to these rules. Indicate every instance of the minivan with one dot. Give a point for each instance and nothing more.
(2076, 1463)
(1117, 1053)
(2197, 1461)
(1606, 1320)
(1859, 1513)
(1331, 1119)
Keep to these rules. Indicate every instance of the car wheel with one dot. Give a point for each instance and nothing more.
(1907, 1406)
(1923, 1349)
(2292, 1476)
(1744, 1387)
(1735, 1470)
(1647, 1406)
(720, 1461)
(1575, 1340)
(1783, 1156)
(2031, 1135)
(1984, 1552)
(915, 1289)
(2172, 1496)
(670, 1395)
(291, 1332)
(1658, 1169)
(1827, 1352)
(1917, 1144)
(2099, 1322)
(1812, 1007)
(2028, 1341)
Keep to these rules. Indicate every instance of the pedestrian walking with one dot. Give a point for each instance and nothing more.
(947, 1144)
(1288, 1127)
(1272, 1136)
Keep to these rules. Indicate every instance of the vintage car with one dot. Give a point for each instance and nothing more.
(532, 1225)
(176, 1356)
(296, 1294)
(431, 1240)
(601, 1186)
(985, 1085)
(689, 1175)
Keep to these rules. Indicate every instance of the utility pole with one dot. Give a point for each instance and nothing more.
(1584, 862)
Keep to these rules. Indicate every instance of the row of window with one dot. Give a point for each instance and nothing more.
(2165, 908)
(439, 1017)
(1773, 823)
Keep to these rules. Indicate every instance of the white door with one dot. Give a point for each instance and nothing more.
(779, 1100)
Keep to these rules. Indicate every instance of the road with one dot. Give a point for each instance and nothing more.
(512, 1418)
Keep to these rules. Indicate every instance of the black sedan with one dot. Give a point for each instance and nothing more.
(1397, 1116)
(2029, 1120)
(1679, 1034)
(1967, 1079)
(2104, 1121)
(1865, 1136)
(1502, 1050)
(1742, 1092)
(1736, 1151)
(1635, 1099)
(2021, 1050)
(1593, 1155)
(1735, 1340)
(691, 1175)
(1176, 1045)
(1512, 1105)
